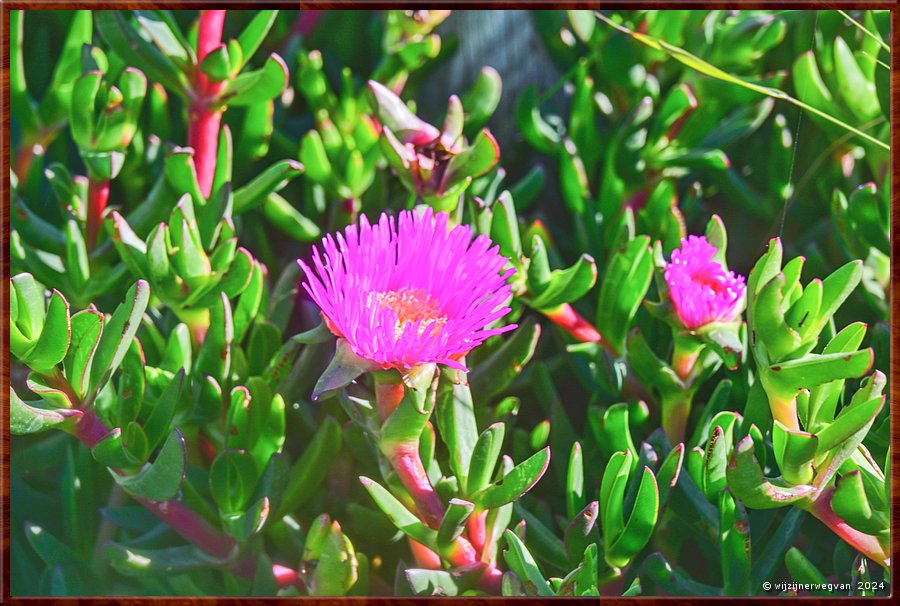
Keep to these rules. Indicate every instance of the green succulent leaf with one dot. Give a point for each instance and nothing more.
(31, 418)
(453, 524)
(567, 285)
(734, 534)
(747, 483)
(522, 563)
(255, 32)
(117, 335)
(127, 42)
(623, 288)
(256, 86)
(133, 561)
(400, 515)
(515, 483)
(794, 453)
(271, 180)
(639, 527)
(232, 480)
(161, 480)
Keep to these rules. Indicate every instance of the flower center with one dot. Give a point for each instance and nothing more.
(711, 281)
(411, 305)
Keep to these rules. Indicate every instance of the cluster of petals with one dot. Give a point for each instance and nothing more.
(409, 290)
(700, 288)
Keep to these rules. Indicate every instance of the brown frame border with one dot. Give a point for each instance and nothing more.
(8, 5)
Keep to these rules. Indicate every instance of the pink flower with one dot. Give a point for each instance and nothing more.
(701, 290)
(410, 291)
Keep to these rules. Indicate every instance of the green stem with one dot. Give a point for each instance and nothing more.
(684, 356)
(197, 320)
(107, 530)
(676, 408)
(676, 405)
(784, 410)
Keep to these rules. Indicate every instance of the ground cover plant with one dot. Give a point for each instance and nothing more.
(278, 326)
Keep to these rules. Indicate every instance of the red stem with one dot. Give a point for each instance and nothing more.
(285, 576)
(576, 325)
(22, 163)
(190, 526)
(90, 430)
(98, 197)
(476, 530)
(866, 544)
(491, 580)
(425, 558)
(209, 37)
(32, 148)
(684, 364)
(203, 133)
(408, 465)
(388, 396)
(306, 22)
(203, 137)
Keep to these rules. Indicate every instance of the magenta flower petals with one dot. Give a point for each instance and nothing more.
(410, 291)
(701, 290)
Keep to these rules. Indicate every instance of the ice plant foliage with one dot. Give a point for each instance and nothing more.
(702, 291)
(676, 396)
(410, 290)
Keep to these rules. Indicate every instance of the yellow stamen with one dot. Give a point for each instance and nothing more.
(411, 305)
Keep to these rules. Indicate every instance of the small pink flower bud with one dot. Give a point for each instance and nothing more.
(701, 290)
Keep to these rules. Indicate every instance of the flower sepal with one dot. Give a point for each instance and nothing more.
(727, 339)
(343, 369)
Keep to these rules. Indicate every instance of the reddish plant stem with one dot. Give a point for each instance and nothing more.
(306, 22)
(491, 580)
(685, 354)
(30, 149)
(576, 325)
(209, 37)
(408, 465)
(425, 558)
(190, 526)
(388, 396)
(98, 197)
(203, 137)
(406, 460)
(90, 430)
(22, 162)
(285, 576)
(462, 553)
(675, 411)
(676, 407)
(475, 528)
(866, 544)
(784, 410)
(684, 364)
(203, 133)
